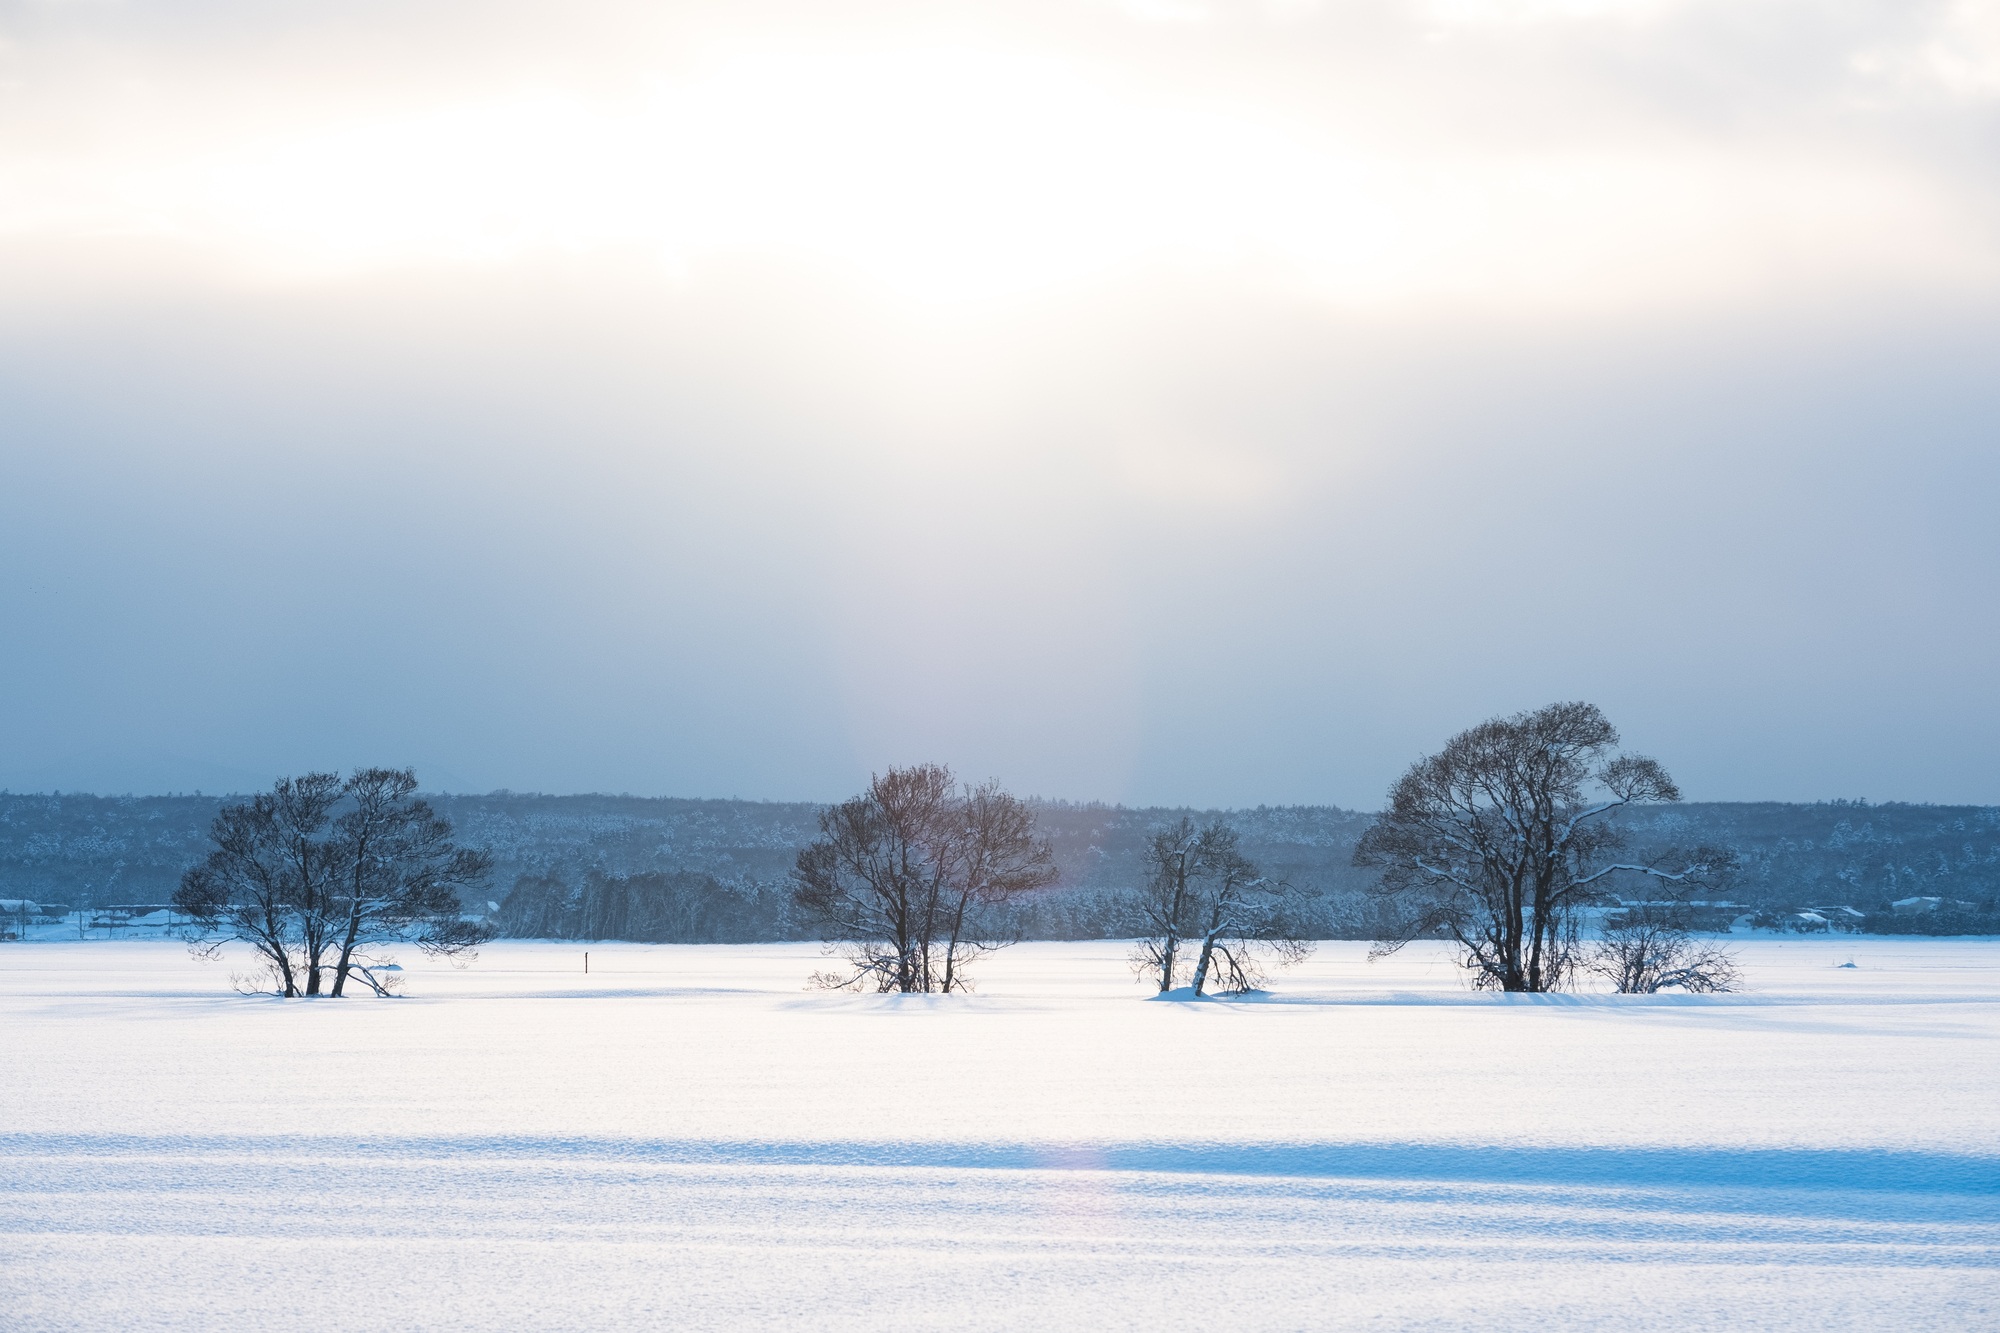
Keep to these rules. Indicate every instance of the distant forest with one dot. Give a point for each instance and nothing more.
(625, 867)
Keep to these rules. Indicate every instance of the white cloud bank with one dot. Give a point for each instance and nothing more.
(1537, 155)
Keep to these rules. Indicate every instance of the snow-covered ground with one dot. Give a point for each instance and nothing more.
(688, 1138)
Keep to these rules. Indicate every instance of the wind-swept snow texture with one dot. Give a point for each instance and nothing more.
(687, 1138)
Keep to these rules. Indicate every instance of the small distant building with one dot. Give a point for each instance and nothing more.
(1916, 906)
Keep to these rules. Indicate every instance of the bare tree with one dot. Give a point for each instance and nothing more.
(1492, 844)
(869, 882)
(299, 878)
(1173, 860)
(1649, 948)
(401, 874)
(1201, 888)
(1244, 918)
(268, 880)
(999, 859)
(900, 872)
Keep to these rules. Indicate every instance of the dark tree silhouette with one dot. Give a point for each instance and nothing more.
(317, 867)
(899, 875)
(269, 882)
(1492, 844)
(401, 874)
(1202, 892)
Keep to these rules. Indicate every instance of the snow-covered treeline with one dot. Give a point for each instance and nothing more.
(98, 851)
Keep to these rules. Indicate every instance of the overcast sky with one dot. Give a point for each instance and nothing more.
(1160, 402)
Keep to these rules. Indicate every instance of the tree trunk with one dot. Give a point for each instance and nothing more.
(347, 948)
(1169, 955)
(1201, 964)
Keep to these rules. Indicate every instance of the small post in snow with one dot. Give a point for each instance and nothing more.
(586, 962)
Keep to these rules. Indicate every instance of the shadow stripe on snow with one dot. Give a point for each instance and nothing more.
(1870, 1170)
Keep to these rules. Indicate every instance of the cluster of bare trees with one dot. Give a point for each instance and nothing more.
(318, 874)
(1504, 838)
(898, 880)
(1204, 897)
(904, 881)
(1501, 843)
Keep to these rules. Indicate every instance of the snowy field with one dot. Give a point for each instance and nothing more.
(686, 1138)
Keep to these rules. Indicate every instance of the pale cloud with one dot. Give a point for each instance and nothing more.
(1018, 168)
(1957, 55)
(1516, 13)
